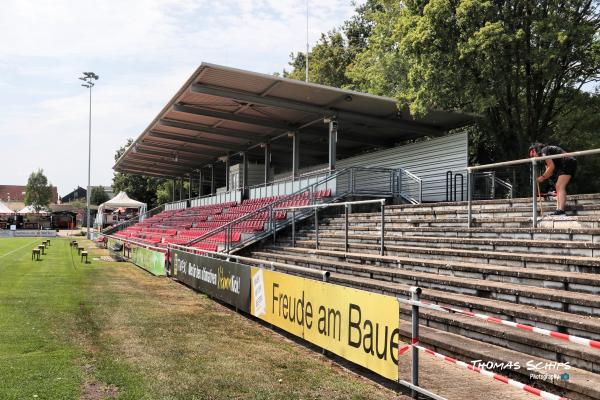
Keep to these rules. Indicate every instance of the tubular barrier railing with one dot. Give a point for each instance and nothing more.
(321, 275)
(123, 225)
(410, 186)
(342, 184)
(533, 161)
(416, 303)
(315, 209)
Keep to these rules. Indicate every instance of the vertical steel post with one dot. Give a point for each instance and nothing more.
(382, 227)
(173, 191)
(190, 187)
(272, 223)
(346, 228)
(293, 228)
(295, 156)
(200, 191)
(317, 228)
(227, 174)
(333, 128)
(267, 162)
(415, 293)
(534, 194)
(469, 197)
(420, 191)
(212, 179)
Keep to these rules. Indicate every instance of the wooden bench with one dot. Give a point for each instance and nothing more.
(42, 248)
(47, 242)
(79, 249)
(35, 254)
(73, 244)
(84, 254)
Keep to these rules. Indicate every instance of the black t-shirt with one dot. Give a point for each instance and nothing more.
(552, 150)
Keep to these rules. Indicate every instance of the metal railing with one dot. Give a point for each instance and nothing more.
(321, 275)
(349, 181)
(123, 225)
(533, 161)
(315, 209)
(286, 185)
(410, 186)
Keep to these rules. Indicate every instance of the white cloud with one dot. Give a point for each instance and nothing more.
(143, 51)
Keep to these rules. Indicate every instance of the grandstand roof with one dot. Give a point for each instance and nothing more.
(223, 111)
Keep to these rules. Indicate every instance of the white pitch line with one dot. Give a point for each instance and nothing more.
(10, 252)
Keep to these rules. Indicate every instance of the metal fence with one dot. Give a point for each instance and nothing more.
(351, 181)
(534, 174)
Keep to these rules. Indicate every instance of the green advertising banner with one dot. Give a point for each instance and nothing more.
(150, 260)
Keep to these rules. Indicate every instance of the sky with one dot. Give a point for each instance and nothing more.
(143, 51)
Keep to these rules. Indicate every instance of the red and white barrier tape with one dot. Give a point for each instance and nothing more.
(563, 336)
(544, 395)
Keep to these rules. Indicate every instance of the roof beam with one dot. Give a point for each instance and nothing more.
(186, 162)
(223, 146)
(160, 166)
(358, 118)
(182, 155)
(246, 119)
(182, 149)
(201, 128)
(154, 167)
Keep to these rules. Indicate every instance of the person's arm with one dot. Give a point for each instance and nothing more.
(548, 172)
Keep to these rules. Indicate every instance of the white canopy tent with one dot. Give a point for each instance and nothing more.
(31, 210)
(4, 209)
(120, 200)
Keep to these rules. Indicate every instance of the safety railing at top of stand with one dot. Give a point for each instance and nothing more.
(123, 225)
(350, 181)
(410, 186)
(274, 266)
(533, 161)
(315, 209)
(275, 187)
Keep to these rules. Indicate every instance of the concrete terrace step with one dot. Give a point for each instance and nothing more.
(393, 221)
(581, 234)
(555, 247)
(561, 300)
(583, 385)
(573, 200)
(526, 260)
(571, 281)
(450, 212)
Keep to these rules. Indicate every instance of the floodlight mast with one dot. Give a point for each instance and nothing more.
(89, 78)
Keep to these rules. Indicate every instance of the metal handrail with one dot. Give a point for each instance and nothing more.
(291, 178)
(533, 161)
(419, 182)
(323, 275)
(315, 208)
(268, 208)
(138, 218)
(144, 245)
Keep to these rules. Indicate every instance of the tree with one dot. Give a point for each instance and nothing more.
(138, 187)
(518, 63)
(335, 51)
(38, 192)
(98, 195)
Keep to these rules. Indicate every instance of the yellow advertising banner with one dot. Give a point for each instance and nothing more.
(357, 325)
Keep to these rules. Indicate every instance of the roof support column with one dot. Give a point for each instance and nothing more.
(190, 187)
(333, 128)
(227, 174)
(200, 186)
(181, 188)
(212, 179)
(295, 153)
(245, 171)
(267, 162)
(173, 191)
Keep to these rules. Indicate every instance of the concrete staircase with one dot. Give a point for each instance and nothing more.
(547, 277)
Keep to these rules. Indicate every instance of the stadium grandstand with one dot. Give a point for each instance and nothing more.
(319, 181)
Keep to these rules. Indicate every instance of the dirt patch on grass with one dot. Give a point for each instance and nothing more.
(94, 390)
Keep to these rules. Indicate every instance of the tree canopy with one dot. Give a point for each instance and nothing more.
(523, 66)
(38, 192)
(98, 195)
